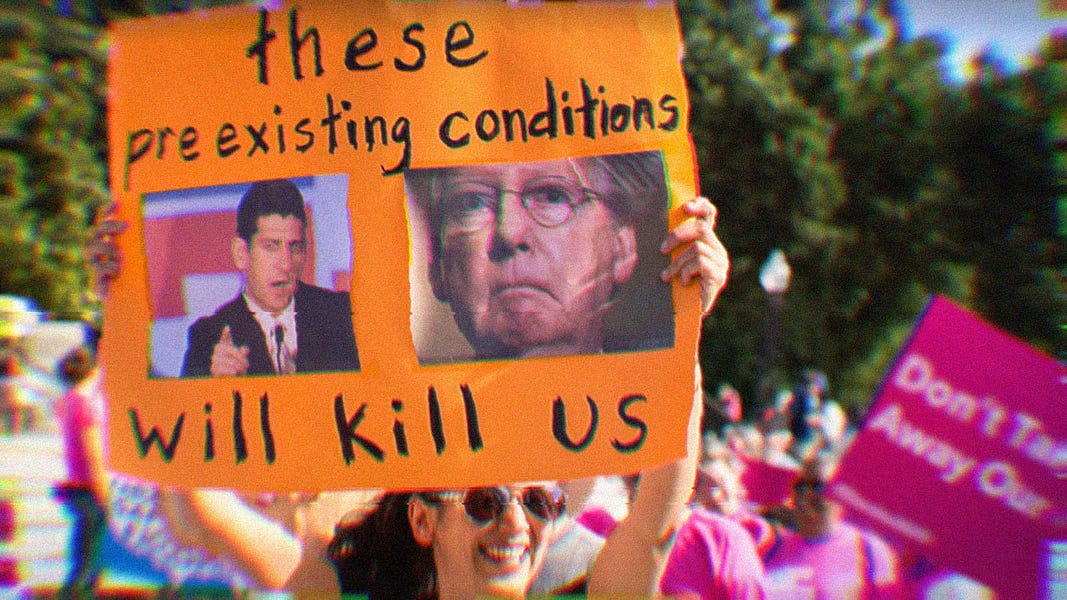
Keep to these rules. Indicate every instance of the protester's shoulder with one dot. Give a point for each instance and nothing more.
(756, 524)
(861, 537)
(709, 521)
(789, 544)
(568, 561)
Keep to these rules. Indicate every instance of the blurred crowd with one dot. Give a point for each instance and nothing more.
(756, 521)
(757, 525)
(769, 474)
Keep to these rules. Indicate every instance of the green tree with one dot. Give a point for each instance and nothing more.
(831, 136)
(865, 272)
(764, 156)
(53, 143)
(828, 146)
(1007, 216)
(52, 155)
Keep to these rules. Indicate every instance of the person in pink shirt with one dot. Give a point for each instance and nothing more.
(84, 493)
(719, 488)
(709, 558)
(713, 557)
(827, 558)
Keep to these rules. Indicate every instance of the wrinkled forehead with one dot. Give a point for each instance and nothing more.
(627, 184)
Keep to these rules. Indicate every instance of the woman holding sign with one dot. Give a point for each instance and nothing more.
(492, 541)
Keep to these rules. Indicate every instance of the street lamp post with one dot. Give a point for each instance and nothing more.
(774, 278)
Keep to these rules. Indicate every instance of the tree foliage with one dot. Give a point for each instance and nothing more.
(53, 144)
(832, 137)
(52, 155)
(1007, 217)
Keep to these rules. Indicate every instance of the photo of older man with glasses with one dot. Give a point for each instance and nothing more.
(549, 258)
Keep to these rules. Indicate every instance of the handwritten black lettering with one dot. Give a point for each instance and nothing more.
(346, 430)
(598, 117)
(154, 437)
(559, 425)
(399, 437)
(632, 421)
(209, 435)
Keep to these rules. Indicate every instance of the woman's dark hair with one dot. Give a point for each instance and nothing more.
(9, 365)
(380, 557)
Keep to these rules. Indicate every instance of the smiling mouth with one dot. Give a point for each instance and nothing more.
(505, 555)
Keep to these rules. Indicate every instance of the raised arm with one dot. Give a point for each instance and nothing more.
(221, 521)
(635, 553)
(633, 557)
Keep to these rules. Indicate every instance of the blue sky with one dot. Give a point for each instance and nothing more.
(1013, 28)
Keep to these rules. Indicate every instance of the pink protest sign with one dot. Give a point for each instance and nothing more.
(765, 483)
(963, 455)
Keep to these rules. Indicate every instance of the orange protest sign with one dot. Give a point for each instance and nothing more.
(398, 244)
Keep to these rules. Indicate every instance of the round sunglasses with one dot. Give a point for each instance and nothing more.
(485, 505)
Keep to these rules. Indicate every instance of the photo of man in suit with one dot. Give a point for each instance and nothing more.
(277, 324)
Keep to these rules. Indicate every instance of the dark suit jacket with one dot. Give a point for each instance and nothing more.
(323, 329)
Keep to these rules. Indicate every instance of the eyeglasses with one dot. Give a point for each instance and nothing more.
(473, 205)
(815, 487)
(485, 505)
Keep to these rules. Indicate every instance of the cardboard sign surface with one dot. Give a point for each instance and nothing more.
(382, 115)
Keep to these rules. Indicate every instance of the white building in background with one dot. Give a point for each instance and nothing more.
(30, 349)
